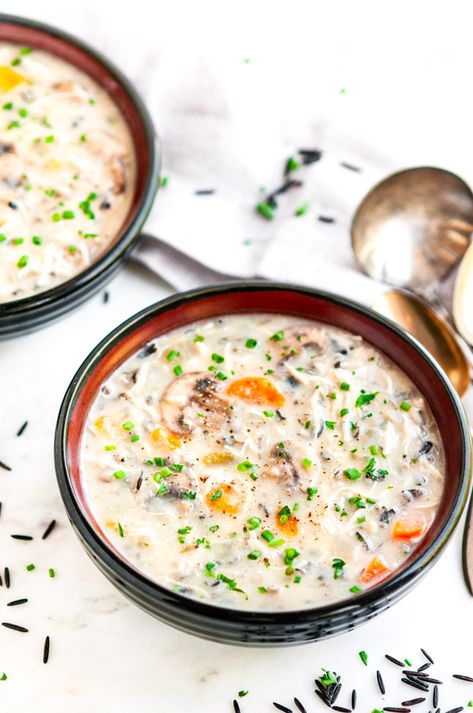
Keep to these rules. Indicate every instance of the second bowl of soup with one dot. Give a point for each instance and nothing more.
(262, 464)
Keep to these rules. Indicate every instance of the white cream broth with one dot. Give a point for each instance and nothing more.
(67, 171)
(310, 481)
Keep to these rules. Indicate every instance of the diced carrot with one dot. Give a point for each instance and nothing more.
(173, 441)
(289, 526)
(256, 390)
(9, 79)
(375, 569)
(408, 528)
(223, 498)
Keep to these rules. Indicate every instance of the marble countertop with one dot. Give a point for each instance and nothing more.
(105, 653)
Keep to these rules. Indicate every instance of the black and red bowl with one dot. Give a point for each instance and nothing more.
(253, 627)
(30, 313)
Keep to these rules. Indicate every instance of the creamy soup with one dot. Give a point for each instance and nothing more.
(67, 171)
(262, 462)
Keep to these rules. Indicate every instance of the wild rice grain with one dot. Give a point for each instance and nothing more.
(341, 709)
(393, 660)
(381, 685)
(16, 602)
(455, 710)
(46, 650)
(299, 705)
(205, 192)
(236, 707)
(323, 698)
(105, 297)
(6, 573)
(353, 699)
(435, 697)
(424, 667)
(415, 684)
(427, 656)
(49, 529)
(462, 677)
(15, 627)
(21, 537)
(22, 429)
(350, 166)
(282, 708)
(397, 710)
(412, 702)
(4, 466)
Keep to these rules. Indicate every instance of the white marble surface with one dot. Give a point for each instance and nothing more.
(105, 653)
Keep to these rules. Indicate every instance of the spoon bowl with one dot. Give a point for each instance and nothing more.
(431, 330)
(412, 228)
(463, 297)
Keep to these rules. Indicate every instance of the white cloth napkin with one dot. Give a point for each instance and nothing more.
(213, 141)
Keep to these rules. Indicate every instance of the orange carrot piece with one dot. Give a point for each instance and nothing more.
(375, 569)
(256, 390)
(173, 441)
(223, 498)
(408, 528)
(289, 527)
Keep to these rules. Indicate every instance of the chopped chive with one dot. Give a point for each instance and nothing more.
(164, 181)
(352, 473)
(364, 657)
(36, 240)
(277, 336)
(253, 523)
(134, 438)
(30, 567)
(306, 462)
(251, 343)
(128, 425)
(214, 528)
(405, 406)
(245, 465)
(355, 589)
(119, 474)
(365, 399)
(302, 209)
(121, 531)
(49, 139)
(262, 590)
(110, 448)
(178, 370)
(52, 573)
(172, 354)
(343, 412)
(199, 338)
(374, 450)
(216, 495)
(344, 386)
(254, 555)
(269, 414)
(266, 210)
(217, 358)
(330, 425)
(311, 492)
(22, 262)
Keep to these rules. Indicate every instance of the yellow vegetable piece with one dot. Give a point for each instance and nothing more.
(218, 458)
(9, 79)
(99, 423)
(156, 434)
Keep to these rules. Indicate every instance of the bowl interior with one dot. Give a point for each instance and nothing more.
(31, 34)
(409, 356)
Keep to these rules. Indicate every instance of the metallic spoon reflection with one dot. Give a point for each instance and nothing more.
(413, 227)
(431, 330)
(463, 297)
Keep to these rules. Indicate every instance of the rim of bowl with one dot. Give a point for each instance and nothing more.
(127, 235)
(127, 572)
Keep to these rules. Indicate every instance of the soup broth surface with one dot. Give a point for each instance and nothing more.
(67, 171)
(262, 462)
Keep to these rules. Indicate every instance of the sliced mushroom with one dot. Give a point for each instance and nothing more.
(303, 337)
(281, 466)
(193, 400)
(118, 172)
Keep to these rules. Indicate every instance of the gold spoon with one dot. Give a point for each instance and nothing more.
(463, 297)
(412, 228)
(431, 330)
